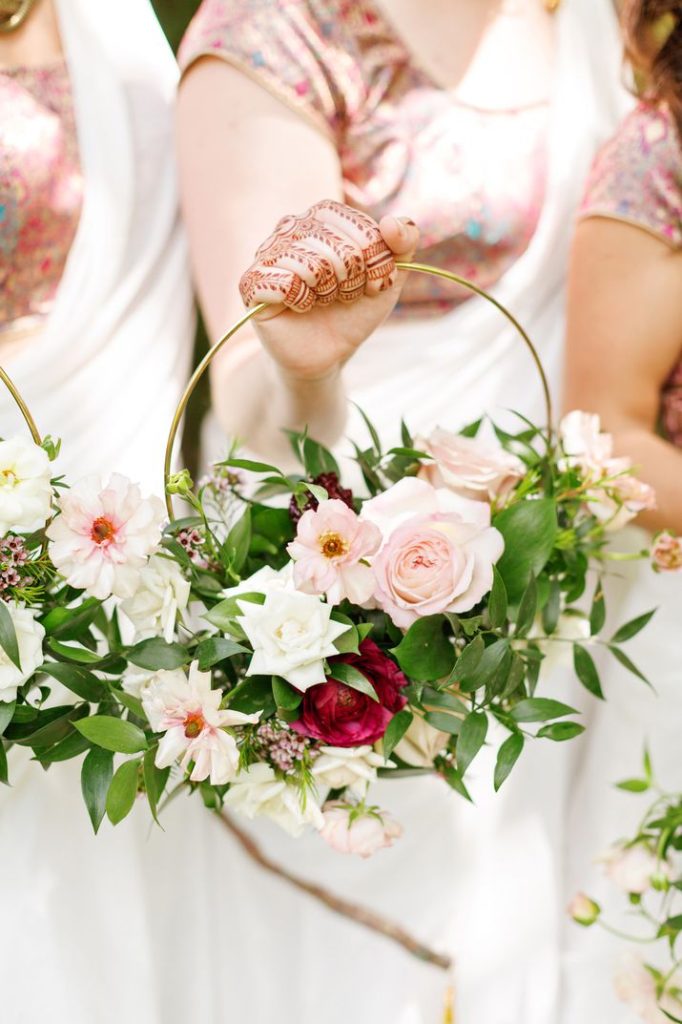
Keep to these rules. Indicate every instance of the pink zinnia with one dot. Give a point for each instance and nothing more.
(104, 535)
(330, 545)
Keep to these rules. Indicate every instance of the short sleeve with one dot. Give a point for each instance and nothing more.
(300, 50)
(637, 176)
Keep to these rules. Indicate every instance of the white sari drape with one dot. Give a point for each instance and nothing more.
(77, 920)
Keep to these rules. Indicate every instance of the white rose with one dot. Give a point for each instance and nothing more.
(263, 581)
(162, 592)
(291, 635)
(468, 465)
(355, 767)
(30, 636)
(421, 744)
(257, 792)
(633, 868)
(366, 834)
(25, 490)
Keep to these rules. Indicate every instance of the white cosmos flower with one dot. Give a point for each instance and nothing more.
(291, 635)
(25, 490)
(30, 636)
(195, 727)
(104, 535)
(257, 792)
(355, 767)
(162, 592)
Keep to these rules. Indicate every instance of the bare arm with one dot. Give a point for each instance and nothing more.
(245, 160)
(624, 337)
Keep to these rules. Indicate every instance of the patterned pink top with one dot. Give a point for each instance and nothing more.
(405, 145)
(41, 188)
(637, 178)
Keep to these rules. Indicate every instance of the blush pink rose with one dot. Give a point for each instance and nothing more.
(329, 550)
(469, 466)
(667, 553)
(363, 836)
(439, 554)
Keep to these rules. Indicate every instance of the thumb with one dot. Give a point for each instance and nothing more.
(401, 236)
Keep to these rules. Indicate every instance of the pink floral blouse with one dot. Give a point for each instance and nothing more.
(406, 146)
(637, 178)
(41, 188)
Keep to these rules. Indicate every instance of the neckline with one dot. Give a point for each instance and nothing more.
(379, 16)
(54, 64)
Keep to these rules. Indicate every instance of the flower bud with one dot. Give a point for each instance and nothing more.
(584, 910)
(180, 483)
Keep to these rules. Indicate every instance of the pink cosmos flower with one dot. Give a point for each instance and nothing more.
(330, 543)
(440, 551)
(364, 835)
(188, 711)
(104, 535)
(469, 466)
(667, 553)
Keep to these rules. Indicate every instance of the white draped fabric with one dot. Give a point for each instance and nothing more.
(77, 940)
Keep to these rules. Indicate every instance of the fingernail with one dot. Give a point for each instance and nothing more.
(411, 223)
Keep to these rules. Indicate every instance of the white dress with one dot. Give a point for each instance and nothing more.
(483, 883)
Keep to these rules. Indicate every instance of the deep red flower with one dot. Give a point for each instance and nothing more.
(340, 716)
(332, 486)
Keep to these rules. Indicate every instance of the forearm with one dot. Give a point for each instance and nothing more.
(659, 464)
(255, 402)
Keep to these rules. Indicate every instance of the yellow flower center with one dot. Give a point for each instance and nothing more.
(103, 530)
(194, 723)
(333, 545)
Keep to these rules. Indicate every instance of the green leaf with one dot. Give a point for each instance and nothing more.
(471, 738)
(70, 623)
(348, 642)
(96, 774)
(223, 613)
(285, 696)
(75, 678)
(598, 610)
(468, 661)
(317, 459)
(73, 652)
(497, 602)
(376, 443)
(156, 654)
(560, 731)
(455, 781)
(586, 671)
(425, 653)
(351, 676)
(395, 730)
(215, 649)
(4, 773)
(251, 465)
(6, 714)
(627, 663)
(113, 734)
(71, 746)
(48, 728)
(527, 609)
(127, 700)
(529, 529)
(252, 695)
(443, 722)
(507, 756)
(8, 636)
(488, 666)
(633, 785)
(633, 627)
(552, 609)
(236, 547)
(409, 453)
(540, 709)
(123, 790)
(155, 780)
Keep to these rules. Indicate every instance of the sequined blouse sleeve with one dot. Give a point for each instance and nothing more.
(288, 46)
(637, 176)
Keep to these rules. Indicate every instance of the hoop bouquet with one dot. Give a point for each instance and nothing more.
(284, 640)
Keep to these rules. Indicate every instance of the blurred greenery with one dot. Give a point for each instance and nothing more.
(174, 16)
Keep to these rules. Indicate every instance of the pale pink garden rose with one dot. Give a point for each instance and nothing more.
(666, 553)
(635, 868)
(439, 552)
(621, 498)
(188, 711)
(584, 442)
(328, 551)
(635, 985)
(104, 535)
(366, 834)
(469, 466)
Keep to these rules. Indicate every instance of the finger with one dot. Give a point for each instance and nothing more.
(276, 286)
(377, 256)
(401, 236)
(313, 267)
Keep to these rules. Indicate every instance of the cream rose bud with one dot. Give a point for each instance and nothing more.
(30, 636)
(635, 868)
(468, 465)
(257, 792)
(584, 910)
(421, 744)
(439, 552)
(347, 830)
(666, 552)
(162, 592)
(352, 767)
(291, 635)
(25, 489)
